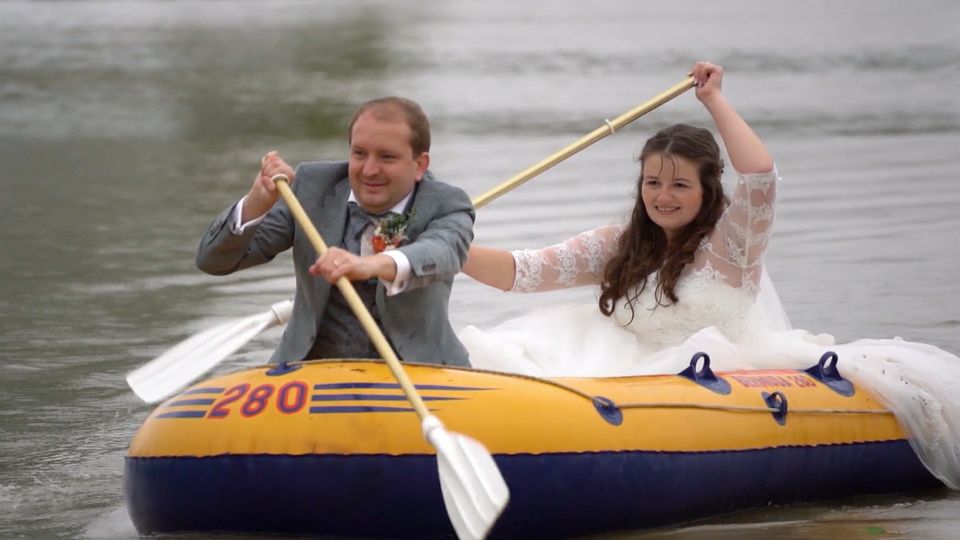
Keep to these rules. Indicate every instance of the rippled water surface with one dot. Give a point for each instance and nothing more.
(126, 126)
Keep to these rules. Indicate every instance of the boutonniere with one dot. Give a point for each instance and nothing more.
(390, 232)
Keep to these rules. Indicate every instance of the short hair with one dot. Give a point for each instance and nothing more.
(385, 108)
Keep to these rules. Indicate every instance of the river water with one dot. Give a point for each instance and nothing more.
(125, 126)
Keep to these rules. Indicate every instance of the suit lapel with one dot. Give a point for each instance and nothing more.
(333, 214)
(419, 216)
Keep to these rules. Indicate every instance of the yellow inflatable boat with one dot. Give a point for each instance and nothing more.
(333, 448)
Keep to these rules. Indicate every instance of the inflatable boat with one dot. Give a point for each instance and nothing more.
(333, 449)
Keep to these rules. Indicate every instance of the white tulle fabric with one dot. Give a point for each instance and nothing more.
(728, 308)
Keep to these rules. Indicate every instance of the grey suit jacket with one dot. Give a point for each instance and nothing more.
(415, 321)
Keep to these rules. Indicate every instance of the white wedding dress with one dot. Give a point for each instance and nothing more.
(727, 308)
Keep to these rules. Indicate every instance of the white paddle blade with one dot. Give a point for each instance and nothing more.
(188, 360)
(474, 491)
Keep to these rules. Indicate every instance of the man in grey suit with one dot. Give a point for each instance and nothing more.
(384, 181)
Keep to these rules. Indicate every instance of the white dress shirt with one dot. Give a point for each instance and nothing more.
(399, 283)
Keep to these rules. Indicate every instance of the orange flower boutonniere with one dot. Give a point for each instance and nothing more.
(390, 232)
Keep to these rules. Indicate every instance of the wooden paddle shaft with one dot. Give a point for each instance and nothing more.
(608, 128)
(359, 309)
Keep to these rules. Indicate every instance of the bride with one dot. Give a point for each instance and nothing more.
(685, 274)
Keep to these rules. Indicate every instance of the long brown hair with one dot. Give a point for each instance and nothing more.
(643, 247)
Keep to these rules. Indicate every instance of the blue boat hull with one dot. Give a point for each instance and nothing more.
(552, 495)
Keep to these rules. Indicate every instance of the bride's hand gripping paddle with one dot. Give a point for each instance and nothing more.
(473, 489)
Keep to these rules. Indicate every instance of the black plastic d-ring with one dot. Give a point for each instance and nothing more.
(703, 375)
(826, 372)
(608, 410)
(283, 368)
(777, 400)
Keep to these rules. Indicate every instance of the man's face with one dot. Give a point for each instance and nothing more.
(383, 169)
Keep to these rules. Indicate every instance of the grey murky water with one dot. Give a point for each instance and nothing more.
(125, 126)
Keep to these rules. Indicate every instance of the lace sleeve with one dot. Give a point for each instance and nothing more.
(575, 262)
(737, 244)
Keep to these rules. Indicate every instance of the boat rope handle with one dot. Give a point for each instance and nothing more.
(639, 405)
(747, 408)
(679, 405)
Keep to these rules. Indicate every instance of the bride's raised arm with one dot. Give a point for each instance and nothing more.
(739, 240)
(575, 262)
(748, 154)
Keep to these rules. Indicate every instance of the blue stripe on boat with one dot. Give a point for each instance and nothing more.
(551, 495)
(210, 390)
(356, 409)
(182, 414)
(390, 386)
(374, 397)
(186, 402)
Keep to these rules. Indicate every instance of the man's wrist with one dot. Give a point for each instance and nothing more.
(399, 267)
(385, 267)
(253, 207)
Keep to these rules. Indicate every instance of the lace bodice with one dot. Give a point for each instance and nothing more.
(717, 288)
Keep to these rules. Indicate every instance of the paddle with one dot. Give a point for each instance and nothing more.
(609, 127)
(191, 358)
(182, 368)
(473, 489)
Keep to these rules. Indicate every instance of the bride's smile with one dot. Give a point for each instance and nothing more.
(671, 191)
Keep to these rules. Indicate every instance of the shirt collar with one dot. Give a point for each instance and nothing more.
(398, 209)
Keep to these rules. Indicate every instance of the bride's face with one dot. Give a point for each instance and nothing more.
(671, 191)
